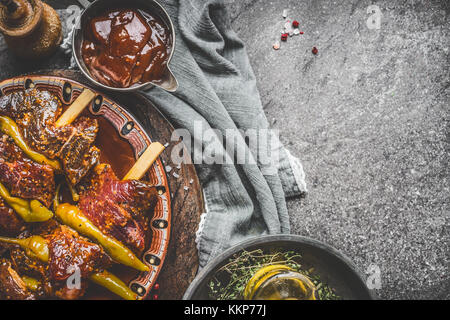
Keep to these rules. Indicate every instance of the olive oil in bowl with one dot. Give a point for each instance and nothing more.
(279, 282)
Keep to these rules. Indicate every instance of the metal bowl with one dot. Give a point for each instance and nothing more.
(97, 7)
(333, 267)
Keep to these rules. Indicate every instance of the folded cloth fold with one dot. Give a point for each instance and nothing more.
(218, 91)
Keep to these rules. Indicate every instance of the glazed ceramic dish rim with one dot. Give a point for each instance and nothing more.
(58, 84)
(266, 240)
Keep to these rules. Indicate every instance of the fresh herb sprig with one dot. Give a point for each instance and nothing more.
(244, 265)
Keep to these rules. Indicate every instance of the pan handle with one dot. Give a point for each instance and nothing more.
(84, 3)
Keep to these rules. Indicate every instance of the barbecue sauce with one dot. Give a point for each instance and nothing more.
(123, 47)
(109, 141)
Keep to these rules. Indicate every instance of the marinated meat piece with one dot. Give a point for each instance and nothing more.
(10, 223)
(118, 208)
(39, 270)
(43, 228)
(79, 155)
(23, 177)
(35, 112)
(63, 292)
(69, 252)
(28, 266)
(42, 104)
(12, 286)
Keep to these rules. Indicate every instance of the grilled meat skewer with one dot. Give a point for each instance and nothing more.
(75, 108)
(35, 112)
(114, 213)
(118, 208)
(73, 217)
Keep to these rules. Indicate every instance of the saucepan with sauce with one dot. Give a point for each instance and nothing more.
(125, 45)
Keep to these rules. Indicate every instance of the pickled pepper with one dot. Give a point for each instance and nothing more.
(36, 247)
(73, 217)
(10, 128)
(30, 211)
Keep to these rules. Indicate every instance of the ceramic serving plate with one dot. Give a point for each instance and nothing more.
(121, 140)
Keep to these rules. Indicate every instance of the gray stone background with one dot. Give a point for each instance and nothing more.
(369, 118)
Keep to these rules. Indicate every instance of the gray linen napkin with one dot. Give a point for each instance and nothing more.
(218, 90)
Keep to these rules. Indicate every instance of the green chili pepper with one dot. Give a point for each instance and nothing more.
(73, 217)
(10, 128)
(36, 247)
(113, 284)
(31, 283)
(30, 211)
(103, 278)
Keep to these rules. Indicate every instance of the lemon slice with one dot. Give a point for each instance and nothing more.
(260, 276)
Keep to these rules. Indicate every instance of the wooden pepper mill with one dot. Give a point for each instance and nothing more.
(32, 29)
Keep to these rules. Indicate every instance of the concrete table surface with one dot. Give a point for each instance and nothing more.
(369, 118)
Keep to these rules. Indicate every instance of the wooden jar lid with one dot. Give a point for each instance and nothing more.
(23, 21)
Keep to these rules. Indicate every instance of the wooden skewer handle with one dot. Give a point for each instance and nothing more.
(145, 161)
(75, 108)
